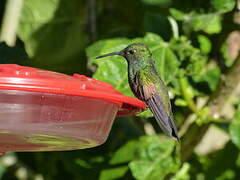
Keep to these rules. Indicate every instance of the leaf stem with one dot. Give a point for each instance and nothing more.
(10, 21)
(174, 27)
(188, 95)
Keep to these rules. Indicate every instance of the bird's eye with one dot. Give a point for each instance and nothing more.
(132, 51)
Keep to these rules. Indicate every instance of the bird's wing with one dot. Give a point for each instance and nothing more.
(164, 119)
(147, 88)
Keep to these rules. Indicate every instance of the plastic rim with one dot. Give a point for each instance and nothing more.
(15, 77)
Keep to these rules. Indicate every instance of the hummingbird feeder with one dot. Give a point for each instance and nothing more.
(46, 111)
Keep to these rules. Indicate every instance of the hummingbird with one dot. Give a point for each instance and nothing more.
(147, 85)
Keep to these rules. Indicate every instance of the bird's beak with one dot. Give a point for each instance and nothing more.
(120, 53)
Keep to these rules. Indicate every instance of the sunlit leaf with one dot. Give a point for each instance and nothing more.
(177, 14)
(235, 128)
(223, 5)
(154, 160)
(211, 77)
(192, 59)
(206, 22)
(209, 23)
(183, 173)
(180, 102)
(113, 173)
(125, 154)
(111, 69)
(205, 44)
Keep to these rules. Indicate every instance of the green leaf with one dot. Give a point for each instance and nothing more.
(146, 114)
(205, 44)
(193, 61)
(177, 14)
(188, 91)
(196, 67)
(3, 169)
(154, 160)
(180, 102)
(183, 173)
(52, 34)
(213, 166)
(113, 173)
(152, 38)
(157, 2)
(235, 128)
(223, 6)
(209, 23)
(238, 160)
(166, 63)
(125, 154)
(83, 163)
(206, 22)
(111, 69)
(211, 77)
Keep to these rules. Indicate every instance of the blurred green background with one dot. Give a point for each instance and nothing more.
(195, 45)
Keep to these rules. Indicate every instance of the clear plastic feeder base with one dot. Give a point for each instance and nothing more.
(33, 121)
(48, 111)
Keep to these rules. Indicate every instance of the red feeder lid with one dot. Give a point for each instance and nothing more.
(15, 77)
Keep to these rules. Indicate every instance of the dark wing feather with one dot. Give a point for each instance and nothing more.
(164, 120)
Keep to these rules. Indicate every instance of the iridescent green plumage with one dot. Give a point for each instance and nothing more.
(147, 85)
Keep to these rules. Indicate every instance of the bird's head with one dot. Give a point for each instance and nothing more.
(133, 52)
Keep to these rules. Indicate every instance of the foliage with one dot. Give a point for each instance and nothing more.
(235, 128)
(187, 41)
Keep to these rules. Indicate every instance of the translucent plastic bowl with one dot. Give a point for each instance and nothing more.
(45, 111)
(32, 121)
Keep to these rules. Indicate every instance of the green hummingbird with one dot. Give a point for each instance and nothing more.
(147, 85)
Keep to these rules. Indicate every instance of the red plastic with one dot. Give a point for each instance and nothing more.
(43, 110)
(15, 77)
